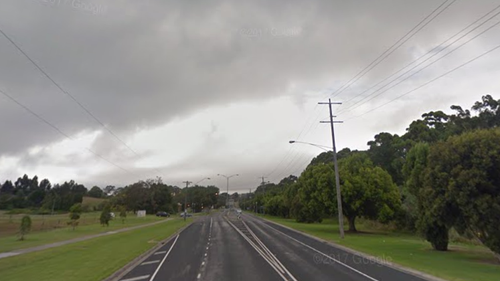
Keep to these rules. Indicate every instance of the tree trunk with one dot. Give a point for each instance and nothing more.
(352, 225)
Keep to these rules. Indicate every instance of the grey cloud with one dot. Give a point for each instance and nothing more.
(141, 64)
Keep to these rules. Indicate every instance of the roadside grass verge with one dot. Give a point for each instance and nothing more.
(94, 259)
(91, 226)
(463, 262)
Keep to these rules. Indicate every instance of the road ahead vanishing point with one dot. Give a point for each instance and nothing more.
(223, 247)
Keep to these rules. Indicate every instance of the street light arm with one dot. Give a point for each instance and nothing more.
(313, 144)
(202, 180)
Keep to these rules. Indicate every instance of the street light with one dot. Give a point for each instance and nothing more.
(202, 180)
(325, 148)
(337, 184)
(227, 185)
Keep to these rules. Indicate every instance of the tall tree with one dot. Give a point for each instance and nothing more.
(367, 190)
(462, 187)
(387, 151)
(95, 192)
(7, 187)
(315, 196)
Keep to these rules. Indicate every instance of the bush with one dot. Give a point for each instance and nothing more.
(25, 227)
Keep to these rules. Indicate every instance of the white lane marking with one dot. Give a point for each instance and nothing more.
(210, 223)
(136, 278)
(199, 275)
(329, 257)
(267, 249)
(164, 258)
(150, 262)
(203, 263)
(271, 262)
(160, 252)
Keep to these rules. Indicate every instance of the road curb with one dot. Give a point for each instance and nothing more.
(120, 273)
(363, 255)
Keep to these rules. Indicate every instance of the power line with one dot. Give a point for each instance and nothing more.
(353, 106)
(428, 82)
(67, 93)
(418, 71)
(393, 48)
(383, 56)
(59, 130)
(430, 51)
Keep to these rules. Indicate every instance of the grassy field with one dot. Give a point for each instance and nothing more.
(9, 224)
(464, 262)
(93, 259)
(92, 202)
(89, 224)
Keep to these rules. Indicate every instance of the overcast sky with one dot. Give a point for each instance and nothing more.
(197, 88)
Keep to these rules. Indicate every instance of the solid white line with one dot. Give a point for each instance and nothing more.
(164, 258)
(210, 224)
(262, 254)
(136, 278)
(269, 251)
(329, 257)
(150, 262)
(160, 252)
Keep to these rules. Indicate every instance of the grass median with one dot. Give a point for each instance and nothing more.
(463, 262)
(94, 259)
(90, 225)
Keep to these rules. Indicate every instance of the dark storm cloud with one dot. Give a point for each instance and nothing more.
(139, 64)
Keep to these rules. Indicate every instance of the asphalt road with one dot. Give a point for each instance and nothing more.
(223, 247)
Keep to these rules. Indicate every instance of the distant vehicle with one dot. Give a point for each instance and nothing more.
(238, 211)
(162, 214)
(187, 214)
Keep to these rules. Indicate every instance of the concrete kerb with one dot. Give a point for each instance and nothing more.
(363, 255)
(119, 274)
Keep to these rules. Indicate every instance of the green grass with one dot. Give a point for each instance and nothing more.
(11, 242)
(463, 262)
(9, 224)
(93, 259)
(92, 202)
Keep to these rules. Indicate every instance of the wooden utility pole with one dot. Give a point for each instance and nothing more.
(185, 199)
(337, 180)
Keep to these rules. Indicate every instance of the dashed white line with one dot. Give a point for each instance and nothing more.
(203, 263)
(199, 275)
(160, 252)
(150, 262)
(136, 278)
(164, 258)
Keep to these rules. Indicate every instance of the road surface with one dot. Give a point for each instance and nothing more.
(222, 247)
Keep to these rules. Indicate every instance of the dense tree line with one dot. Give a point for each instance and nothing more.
(151, 195)
(443, 173)
(28, 192)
